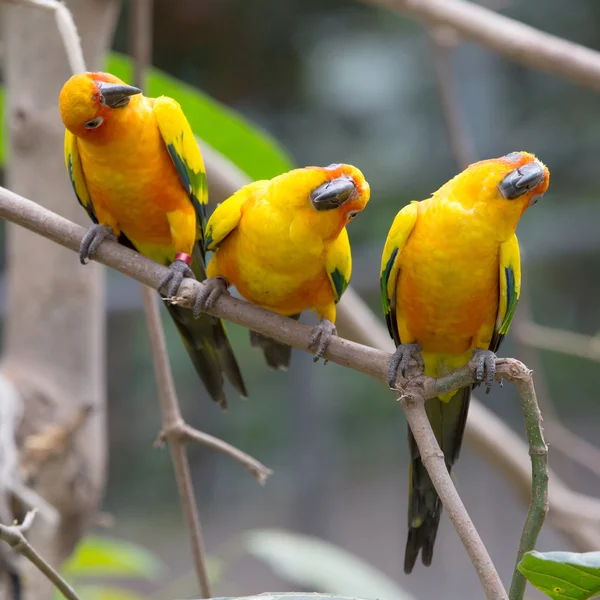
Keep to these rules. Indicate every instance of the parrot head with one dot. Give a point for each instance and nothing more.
(500, 189)
(92, 104)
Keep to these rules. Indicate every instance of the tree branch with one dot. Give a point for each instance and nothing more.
(14, 536)
(443, 42)
(172, 420)
(361, 358)
(520, 42)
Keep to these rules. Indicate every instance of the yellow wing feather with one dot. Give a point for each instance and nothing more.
(510, 289)
(76, 175)
(338, 263)
(226, 216)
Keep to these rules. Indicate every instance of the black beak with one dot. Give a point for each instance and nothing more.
(116, 95)
(333, 194)
(522, 180)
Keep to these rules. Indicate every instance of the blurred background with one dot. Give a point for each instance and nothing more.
(344, 81)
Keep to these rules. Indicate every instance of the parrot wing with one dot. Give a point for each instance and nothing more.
(75, 171)
(183, 149)
(205, 338)
(227, 215)
(338, 263)
(390, 264)
(510, 289)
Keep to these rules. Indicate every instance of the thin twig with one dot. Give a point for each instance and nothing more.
(14, 536)
(171, 417)
(141, 38)
(443, 41)
(538, 508)
(188, 434)
(520, 42)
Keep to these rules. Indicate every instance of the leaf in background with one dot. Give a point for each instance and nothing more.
(308, 561)
(107, 557)
(291, 596)
(92, 592)
(2, 123)
(563, 575)
(250, 148)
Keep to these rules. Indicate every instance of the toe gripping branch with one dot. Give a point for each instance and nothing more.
(320, 338)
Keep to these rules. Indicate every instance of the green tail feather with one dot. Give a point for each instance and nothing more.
(207, 344)
(276, 354)
(448, 420)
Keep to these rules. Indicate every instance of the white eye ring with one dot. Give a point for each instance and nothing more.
(352, 214)
(94, 123)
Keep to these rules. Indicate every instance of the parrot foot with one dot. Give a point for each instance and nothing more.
(178, 269)
(320, 338)
(92, 238)
(485, 368)
(212, 289)
(400, 360)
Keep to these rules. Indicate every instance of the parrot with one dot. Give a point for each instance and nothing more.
(450, 282)
(136, 169)
(283, 243)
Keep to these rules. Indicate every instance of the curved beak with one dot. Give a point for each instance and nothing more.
(333, 194)
(522, 180)
(116, 95)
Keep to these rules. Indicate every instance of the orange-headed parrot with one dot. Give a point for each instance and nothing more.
(450, 282)
(283, 244)
(136, 169)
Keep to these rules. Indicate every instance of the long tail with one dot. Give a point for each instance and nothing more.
(207, 344)
(276, 354)
(448, 421)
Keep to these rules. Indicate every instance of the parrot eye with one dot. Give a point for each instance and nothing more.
(352, 214)
(94, 123)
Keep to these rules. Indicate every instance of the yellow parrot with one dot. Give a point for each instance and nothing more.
(450, 282)
(283, 243)
(136, 169)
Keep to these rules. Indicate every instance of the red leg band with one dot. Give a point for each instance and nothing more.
(186, 258)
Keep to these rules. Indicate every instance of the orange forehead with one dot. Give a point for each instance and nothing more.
(79, 99)
(337, 170)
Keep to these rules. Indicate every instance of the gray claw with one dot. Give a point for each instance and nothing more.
(211, 290)
(400, 360)
(485, 368)
(178, 269)
(320, 338)
(93, 237)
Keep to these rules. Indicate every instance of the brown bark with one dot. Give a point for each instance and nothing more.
(54, 345)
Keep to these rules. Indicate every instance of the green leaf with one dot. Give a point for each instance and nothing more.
(93, 592)
(290, 596)
(311, 562)
(251, 149)
(563, 575)
(2, 125)
(107, 557)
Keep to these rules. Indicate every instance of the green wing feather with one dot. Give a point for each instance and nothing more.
(185, 153)
(390, 265)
